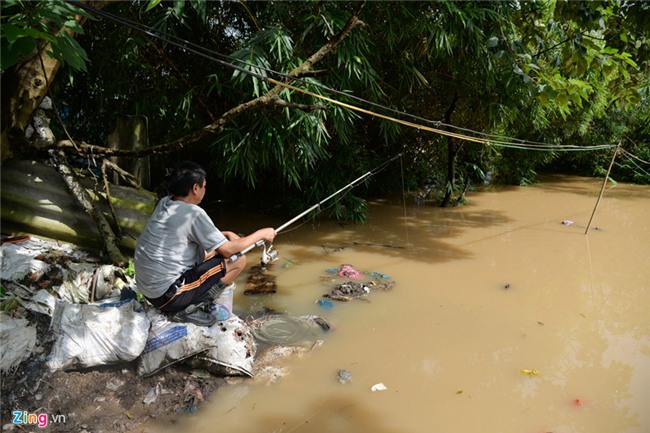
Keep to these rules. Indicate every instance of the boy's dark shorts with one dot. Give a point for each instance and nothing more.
(198, 284)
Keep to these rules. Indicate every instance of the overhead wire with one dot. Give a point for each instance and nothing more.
(482, 138)
(631, 158)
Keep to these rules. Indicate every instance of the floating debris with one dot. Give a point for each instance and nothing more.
(567, 222)
(344, 376)
(348, 291)
(532, 372)
(260, 282)
(348, 271)
(353, 290)
(378, 387)
(378, 275)
(325, 305)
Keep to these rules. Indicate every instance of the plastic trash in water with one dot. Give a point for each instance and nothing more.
(378, 387)
(325, 305)
(344, 376)
(378, 275)
(332, 270)
(348, 271)
(533, 372)
(567, 222)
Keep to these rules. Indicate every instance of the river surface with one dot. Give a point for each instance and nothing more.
(502, 319)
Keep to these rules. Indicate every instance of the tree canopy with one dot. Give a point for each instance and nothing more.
(563, 73)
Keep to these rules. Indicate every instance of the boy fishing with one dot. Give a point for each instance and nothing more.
(180, 257)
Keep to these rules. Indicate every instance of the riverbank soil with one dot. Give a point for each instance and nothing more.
(106, 399)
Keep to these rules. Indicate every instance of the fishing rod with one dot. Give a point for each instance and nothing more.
(270, 254)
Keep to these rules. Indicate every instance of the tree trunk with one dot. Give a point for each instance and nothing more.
(131, 133)
(451, 157)
(23, 90)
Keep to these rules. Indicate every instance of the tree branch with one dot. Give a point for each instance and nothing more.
(104, 228)
(268, 99)
(278, 102)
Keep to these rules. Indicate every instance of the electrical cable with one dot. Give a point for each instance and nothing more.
(490, 139)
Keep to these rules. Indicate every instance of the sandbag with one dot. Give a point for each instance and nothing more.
(169, 342)
(226, 348)
(89, 335)
(234, 353)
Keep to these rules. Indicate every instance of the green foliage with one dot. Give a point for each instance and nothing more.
(560, 72)
(129, 271)
(25, 25)
(10, 304)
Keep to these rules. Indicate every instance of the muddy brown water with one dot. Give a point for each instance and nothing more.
(486, 295)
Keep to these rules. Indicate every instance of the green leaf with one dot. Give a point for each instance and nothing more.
(12, 53)
(562, 99)
(152, 4)
(543, 97)
(68, 50)
(11, 32)
(74, 26)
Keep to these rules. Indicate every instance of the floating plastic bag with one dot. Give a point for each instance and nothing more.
(348, 271)
(89, 335)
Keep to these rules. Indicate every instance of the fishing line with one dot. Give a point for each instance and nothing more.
(269, 254)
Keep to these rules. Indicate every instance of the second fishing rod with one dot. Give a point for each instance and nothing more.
(270, 254)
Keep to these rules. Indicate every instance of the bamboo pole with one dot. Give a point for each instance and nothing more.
(602, 190)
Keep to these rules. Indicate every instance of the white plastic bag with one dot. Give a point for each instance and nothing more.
(235, 349)
(225, 348)
(18, 340)
(90, 335)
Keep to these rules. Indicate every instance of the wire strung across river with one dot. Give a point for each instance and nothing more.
(480, 137)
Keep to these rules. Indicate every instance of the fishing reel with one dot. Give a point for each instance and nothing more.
(269, 254)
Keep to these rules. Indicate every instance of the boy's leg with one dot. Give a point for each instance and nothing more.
(233, 270)
(193, 286)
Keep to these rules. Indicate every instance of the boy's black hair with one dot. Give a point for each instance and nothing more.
(183, 177)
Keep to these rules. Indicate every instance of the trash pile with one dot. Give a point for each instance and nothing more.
(96, 318)
(349, 290)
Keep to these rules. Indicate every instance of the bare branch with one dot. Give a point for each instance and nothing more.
(303, 107)
(104, 228)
